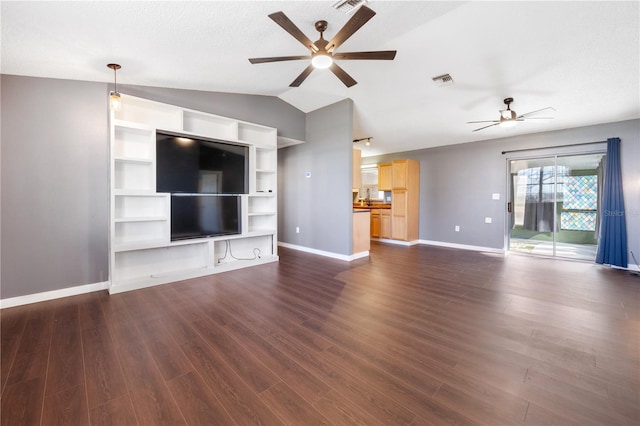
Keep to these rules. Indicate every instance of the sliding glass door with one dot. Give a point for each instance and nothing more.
(554, 205)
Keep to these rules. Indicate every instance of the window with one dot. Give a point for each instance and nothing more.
(579, 203)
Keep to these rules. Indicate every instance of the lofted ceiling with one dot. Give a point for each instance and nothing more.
(580, 57)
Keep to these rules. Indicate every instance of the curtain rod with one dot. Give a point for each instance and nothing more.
(547, 147)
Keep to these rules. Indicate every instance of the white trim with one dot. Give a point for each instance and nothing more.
(463, 246)
(51, 295)
(630, 267)
(360, 255)
(338, 256)
(397, 242)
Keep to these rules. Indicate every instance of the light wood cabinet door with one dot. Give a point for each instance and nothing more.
(399, 215)
(375, 226)
(385, 177)
(400, 171)
(385, 223)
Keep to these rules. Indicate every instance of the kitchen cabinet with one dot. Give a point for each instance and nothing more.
(385, 223)
(357, 173)
(375, 223)
(399, 171)
(385, 177)
(405, 200)
(402, 179)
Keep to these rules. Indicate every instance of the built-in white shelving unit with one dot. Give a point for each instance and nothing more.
(141, 251)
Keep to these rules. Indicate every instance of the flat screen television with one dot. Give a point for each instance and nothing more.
(201, 216)
(186, 164)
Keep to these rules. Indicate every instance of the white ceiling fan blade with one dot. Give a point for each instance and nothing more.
(490, 125)
(536, 111)
(484, 121)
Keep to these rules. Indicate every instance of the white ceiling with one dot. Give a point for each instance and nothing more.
(580, 57)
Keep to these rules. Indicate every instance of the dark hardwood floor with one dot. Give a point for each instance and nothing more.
(412, 335)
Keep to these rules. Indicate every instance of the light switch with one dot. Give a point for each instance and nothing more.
(487, 220)
(495, 196)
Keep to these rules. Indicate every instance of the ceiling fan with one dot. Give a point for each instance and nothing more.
(323, 51)
(508, 117)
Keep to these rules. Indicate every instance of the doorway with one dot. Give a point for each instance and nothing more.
(554, 205)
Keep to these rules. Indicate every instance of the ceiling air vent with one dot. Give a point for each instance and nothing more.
(443, 80)
(348, 6)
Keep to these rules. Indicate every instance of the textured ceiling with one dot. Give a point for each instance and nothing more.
(582, 58)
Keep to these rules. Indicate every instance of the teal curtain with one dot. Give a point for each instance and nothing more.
(612, 244)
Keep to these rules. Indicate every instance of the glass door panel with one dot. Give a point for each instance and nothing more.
(578, 216)
(554, 205)
(532, 210)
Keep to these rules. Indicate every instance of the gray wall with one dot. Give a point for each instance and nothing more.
(54, 179)
(456, 182)
(54, 185)
(320, 205)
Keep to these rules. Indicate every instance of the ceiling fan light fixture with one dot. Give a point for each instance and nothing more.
(321, 60)
(507, 123)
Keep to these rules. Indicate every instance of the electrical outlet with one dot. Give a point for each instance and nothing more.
(488, 220)
(457, 228)
(297, 229)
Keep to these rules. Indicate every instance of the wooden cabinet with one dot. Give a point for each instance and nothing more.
(385, 177)
(399, 171)
(375, 223)
(405, 199)
(357, 172)
(399, 215)
(385, 223)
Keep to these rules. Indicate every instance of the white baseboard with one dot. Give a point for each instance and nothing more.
(400, 243)
(463, 246)
(54, 294)
(338, 256)
(630, 267)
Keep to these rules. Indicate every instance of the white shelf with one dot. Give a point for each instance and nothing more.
(134, 192)
(149, 113)
(133, 141)
(144, 245)
(141, 252)
(210, 125)
(133, 160)
(259, 136)
(140, 219)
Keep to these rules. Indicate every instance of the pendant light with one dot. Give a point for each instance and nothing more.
(114, 96)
